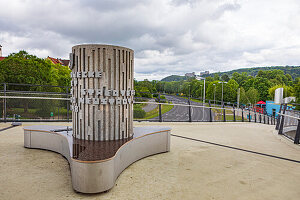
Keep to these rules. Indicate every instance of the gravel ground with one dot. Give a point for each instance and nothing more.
(192, 170)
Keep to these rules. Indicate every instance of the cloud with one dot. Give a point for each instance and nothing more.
(168, 36)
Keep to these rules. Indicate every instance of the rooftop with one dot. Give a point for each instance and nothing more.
(59, 61)
(252, 164)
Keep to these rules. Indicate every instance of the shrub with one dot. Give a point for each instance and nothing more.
(138, 112)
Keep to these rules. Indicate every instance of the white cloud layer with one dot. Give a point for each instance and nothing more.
(168, 36)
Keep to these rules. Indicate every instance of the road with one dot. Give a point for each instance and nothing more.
(181, 113)
(150, 107)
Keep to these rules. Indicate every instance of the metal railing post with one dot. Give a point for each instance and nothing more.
(242, 115)
(224, 113)
(264, 118)
(234, 114)
(67, 90)
(278, 118)
(159, 109)
(210, 115)
(271, 120)
(254, 116)
(4, 103)
(259, 117)
(268, 119)
(249, 116)
(282, 120)
(190, 112)
(297, 136)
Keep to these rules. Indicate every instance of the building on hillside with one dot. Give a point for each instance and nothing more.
(1, 58)
(190, 74)
(204, 73)
(59, 61)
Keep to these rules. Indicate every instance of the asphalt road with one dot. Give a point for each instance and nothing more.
(150, 107)
(181, 113)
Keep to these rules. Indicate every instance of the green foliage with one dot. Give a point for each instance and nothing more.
(252, 95)
(297, 94)
(174, 78)
(209, 79)
(24, 68)
(225, 77)
(243, 98)
(144, 92)
(262, 85)
(239, 78)
(294, 71)
(216, 77)
(254, 86)
(138, 112)
(29, 69)
(287, 91)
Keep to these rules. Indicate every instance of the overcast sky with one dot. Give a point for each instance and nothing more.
(168, 36)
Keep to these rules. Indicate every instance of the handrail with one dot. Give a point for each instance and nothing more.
(155, 103)
(288, 116)
(17, 97)
(196, 106)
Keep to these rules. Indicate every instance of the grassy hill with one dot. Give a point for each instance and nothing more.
(294, 71)
(174, 78)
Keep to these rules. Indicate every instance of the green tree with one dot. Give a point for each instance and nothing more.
(252, 95)
(243, 98)
(287, 91)
(262, 85)
(248, 83)
(216, 77)
(225, 77)
(24, 68)
(209, 79)
(297, 94)
(145, 92)
(239, 78)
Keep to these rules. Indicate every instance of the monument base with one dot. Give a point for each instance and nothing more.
(95, 170)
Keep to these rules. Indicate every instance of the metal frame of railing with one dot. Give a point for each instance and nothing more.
(282, 116)
(266, 119)
(8, 88)
(34, 90)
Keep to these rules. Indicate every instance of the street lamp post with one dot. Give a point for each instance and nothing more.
(201, 93)
(222, 89)
(189, 102)
(200, 78)
(215, 95)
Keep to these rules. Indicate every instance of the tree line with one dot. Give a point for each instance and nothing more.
(252, 88)
(23, 68)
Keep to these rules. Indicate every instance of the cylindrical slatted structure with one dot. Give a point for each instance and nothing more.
(102, 92)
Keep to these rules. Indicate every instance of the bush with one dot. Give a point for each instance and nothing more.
(162, 99)
(162, 96)
(138, 112)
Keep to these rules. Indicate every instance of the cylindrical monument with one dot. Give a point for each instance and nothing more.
(102, 92)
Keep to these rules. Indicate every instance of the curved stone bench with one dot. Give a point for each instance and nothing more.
(93, 176)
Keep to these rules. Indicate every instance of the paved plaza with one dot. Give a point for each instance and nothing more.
(193, 169)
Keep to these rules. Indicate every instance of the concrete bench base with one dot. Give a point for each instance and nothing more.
(94, 176)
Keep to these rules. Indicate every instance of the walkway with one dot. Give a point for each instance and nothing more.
(192, 170)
